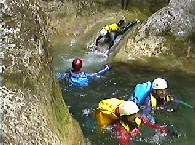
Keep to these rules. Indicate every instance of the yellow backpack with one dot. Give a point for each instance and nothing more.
(106, 112)
(109, 106)
(112, 28)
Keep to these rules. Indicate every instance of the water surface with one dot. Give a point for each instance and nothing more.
(120, 83)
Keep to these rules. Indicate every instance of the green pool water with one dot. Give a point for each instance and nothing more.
(120, 83)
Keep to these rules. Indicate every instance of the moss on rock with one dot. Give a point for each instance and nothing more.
(35, 112)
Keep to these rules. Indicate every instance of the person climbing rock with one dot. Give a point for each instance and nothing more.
(110, 32)
(80, 79)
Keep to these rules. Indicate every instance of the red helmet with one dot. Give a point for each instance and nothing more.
(77, 64)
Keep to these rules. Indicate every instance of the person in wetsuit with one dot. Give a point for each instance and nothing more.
(80, 79)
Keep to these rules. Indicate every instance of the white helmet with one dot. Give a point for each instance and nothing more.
(128, 108)
(159, 84)
(103, 32)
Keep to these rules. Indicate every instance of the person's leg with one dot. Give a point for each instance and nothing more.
(112, 37)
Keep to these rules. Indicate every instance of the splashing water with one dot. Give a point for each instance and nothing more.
(120, 83)
(94, 59)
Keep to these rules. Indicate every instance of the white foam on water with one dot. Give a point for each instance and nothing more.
(94, 59)
(91, 60)
(86, 112)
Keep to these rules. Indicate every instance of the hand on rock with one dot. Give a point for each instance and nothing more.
(109, 67)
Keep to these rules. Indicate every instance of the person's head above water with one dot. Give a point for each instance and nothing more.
(159, 87)
(128, 111)
(127, 108)
(159, 84)
(77, 64)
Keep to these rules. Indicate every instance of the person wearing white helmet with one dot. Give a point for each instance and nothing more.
(130, 118)
(131, 122)
(125, 118)
(109, 32)
(122, 115)
(159, 88)
(159, 98)
(115, 109)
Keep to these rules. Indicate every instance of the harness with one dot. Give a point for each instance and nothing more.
(136, 123)
(155, 103)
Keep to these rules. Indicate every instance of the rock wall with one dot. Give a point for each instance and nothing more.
(177, 18)
(167, 32)
(32, 108)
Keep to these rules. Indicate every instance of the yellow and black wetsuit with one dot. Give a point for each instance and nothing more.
(110, 35)
(160, 103)
(112, 28)
(130, 124)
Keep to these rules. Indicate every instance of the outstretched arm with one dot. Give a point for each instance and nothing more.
(100, 73)
(104, 71)
(180, 102)
(62, 76)
(127, 27)
(156, 127)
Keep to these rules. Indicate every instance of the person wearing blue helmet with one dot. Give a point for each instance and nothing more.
(80, 79)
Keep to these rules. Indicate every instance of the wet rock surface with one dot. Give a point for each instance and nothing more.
(178, 18)
(24, 121)
(175, 21)
(32, 108)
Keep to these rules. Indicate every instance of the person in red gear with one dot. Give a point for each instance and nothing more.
(125, 119)
(127, 130)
